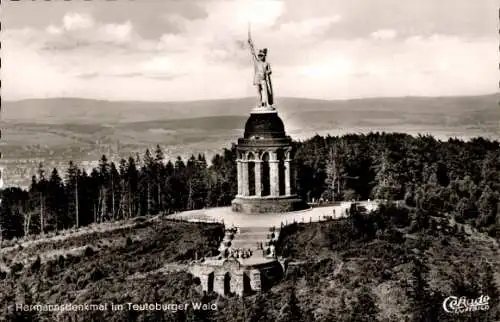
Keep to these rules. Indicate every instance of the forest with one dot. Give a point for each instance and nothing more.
(397, 263)
(455, 178)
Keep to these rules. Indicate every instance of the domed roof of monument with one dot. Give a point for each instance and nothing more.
(264, 126)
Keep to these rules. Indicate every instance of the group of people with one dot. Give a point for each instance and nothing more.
(232, 230)
(240, 253)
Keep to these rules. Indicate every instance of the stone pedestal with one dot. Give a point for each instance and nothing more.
(263, 109)
(268, 204)
(265, 142)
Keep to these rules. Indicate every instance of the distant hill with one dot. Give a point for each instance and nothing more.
(74, 110)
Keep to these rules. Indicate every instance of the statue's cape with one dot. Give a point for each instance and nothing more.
(269, 91)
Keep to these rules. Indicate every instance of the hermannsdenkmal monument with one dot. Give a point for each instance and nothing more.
(266, 200)
(266, 176)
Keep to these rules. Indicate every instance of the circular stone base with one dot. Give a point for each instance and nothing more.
(260, 205)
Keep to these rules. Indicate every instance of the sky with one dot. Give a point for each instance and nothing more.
(169, 50)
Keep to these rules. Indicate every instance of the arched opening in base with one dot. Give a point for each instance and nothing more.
(247, 287)
(281, 172)
(266, 188)
(210, 282)
(251, 178)
(227, 284)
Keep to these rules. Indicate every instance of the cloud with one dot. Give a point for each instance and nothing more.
(88, 75)
(177, 20)
(384, 34)
(235, 15)
(77, 31)
(53, 30)
(76, 21)
(164, 77)
(118, 32)
(307, 28)
(205, 55)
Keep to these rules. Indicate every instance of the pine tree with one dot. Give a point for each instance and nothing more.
(160, 178)
(11, 212)
(72, 178)
(33, 205)
(490, 288)
(204, 315)
(344, 313)
(259, 311)
(42, 192)
(423, 302)
(94, 190)
(179, 185)
(132, 176)
(487, 206)
(24, 297)
(104, 183)
(364, 307)
(332, 180)
(124, 204)
(115, 192)
(291, 310)
(387, 185)
(149, 177)
(56, 202)
(154, 297)
(168, 197)
(86, 199)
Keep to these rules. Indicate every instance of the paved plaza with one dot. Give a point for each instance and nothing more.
(229, 218)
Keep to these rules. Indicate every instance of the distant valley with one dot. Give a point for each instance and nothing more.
(57, 130)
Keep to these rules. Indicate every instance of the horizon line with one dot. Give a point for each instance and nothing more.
(244, 97)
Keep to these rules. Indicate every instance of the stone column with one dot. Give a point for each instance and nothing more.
(239, 176)
(258, 178)
(293, 174)
(244, 176)
(288, 177)
(274, 174)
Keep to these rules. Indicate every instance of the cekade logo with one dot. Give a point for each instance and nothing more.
(453, 304)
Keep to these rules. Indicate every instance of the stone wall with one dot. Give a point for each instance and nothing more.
(268, 205)
(237, 283)
(255, 282)
(223, 281)
(270, 275)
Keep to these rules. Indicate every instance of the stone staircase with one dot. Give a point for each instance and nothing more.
(250, 238)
